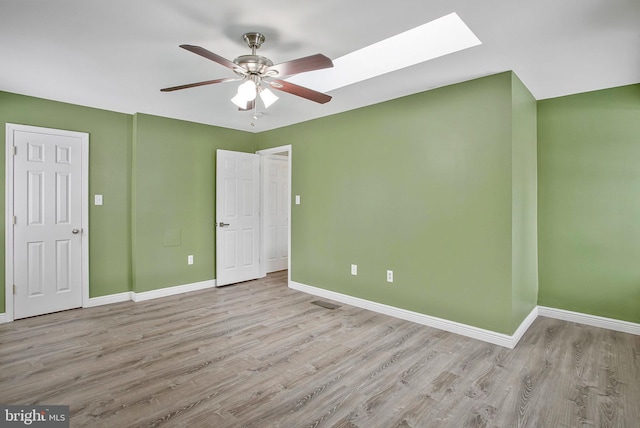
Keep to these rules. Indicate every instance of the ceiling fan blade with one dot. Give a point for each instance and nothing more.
(300, 65)
(301, 91)
(210, 55)
(250, 106)
(193, 85)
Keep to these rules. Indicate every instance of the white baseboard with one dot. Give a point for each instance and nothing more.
(148, 295)
(139, 297)
(435, 322)
(107, 300)
(524, 326)
(428, 320)
(171, 291)
(592, 320)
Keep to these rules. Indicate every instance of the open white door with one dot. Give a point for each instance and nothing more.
(237, 217)
(45, 253)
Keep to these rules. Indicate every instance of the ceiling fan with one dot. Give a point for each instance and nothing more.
(257, 72)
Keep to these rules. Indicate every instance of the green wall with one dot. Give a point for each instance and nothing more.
(174, 199)
(421, 185)
(589, 202)
(438, 186)
(109, 175)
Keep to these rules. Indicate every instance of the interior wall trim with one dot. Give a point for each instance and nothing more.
(592, 320)
(500, 339)
(524, 326)
(171, 291)
(148, 295)
(109, 299)
(139, 297)
(435, 322)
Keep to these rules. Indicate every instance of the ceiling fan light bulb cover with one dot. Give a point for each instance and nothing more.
(239, 101)
(268, 97)
(248, 90)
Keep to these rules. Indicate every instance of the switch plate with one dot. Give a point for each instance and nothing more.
(354, 269)
(389, 276)
(297, 199)
(190, 260)
(98, 199)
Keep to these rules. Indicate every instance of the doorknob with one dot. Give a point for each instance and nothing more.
(223, 224)
(75, 231)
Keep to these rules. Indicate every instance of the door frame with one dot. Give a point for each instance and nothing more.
(263, 154)
(9, 209)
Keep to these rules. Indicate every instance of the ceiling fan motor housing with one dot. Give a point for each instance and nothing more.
(253, 64)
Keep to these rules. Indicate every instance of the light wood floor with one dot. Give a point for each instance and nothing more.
(259, 354)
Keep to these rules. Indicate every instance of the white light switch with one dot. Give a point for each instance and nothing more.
(297, 199)
(98, 199)
(190, 260)
(354, 270)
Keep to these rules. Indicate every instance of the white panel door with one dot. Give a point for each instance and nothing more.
(48, 223)
(237, 217)
(276, 176)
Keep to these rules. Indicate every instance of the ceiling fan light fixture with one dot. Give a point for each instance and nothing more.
(267, 97)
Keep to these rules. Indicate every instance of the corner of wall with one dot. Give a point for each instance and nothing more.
(524, 202)
(134, 146)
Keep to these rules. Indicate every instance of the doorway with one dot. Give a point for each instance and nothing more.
(245, 237)
(275, 202)
(46, 223)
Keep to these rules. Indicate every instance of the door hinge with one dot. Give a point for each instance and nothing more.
(15, 150)
(15, 290)
(15, 220)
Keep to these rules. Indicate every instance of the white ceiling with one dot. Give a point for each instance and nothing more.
(117, 54)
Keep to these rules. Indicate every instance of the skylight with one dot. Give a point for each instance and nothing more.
(434, 39)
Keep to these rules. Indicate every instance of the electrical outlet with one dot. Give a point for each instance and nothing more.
(354, 270)
(389, 276)
(190, 260)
